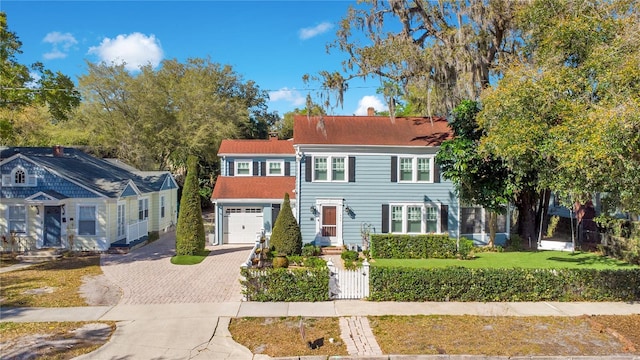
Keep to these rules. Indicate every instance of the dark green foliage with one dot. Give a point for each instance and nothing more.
(286, 237)
(280, 262)
(190, 237)
(389, 246)
(463, 284)
(465, 249)
(286, 284)
(310, 250)
(349, 255)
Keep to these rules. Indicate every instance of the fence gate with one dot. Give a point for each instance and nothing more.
(348, 284)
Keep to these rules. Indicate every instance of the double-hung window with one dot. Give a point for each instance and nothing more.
(330, 168)
(17, 218)
(243, 168)
(162, 205)
(86, 220)
(275, 168)
(415, 169)
(143, 209)
(414, 218)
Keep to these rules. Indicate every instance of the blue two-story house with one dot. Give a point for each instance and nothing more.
(248, 194)
(376, 174)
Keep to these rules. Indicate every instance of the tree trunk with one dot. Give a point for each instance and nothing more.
(493, 227)
(526, 204)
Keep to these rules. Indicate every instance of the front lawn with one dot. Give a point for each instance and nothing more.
(528, 260)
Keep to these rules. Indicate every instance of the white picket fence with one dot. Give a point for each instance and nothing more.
(348, 284)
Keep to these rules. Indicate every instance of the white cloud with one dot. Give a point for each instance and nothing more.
(61, 44)
(308, 33)
(134, 50)
(292, 96)
(370, 101)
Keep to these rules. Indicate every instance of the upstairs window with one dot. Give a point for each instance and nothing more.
(330, 168)
(20, 177)
(412, 169)
(243, 168)
(275, 168)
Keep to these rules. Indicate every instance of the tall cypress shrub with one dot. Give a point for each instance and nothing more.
(286, 237)
(190, 237)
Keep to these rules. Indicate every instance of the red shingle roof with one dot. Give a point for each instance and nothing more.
(370, 130)
(253, 187)
(273, 146)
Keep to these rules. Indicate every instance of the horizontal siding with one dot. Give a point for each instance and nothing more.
(365, 196)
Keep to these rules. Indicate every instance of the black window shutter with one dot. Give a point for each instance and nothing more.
(307, 169)
(444, 218)
(352, 169)
(255, 168)
(394, 169)
(436, 172)
(230, 168)
(263, 168)
(275, 210)
(385, 218)
(287, 168)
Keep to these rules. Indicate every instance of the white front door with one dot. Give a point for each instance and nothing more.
(242, 224)
(329, 222)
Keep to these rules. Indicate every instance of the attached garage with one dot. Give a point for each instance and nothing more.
(242, 224)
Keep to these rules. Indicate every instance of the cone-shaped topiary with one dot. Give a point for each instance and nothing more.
(286, 237)
(190, 237)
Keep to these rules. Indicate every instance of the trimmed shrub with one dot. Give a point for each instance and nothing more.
(190, 237)
(286, 284)
(280, 262)
(286, 237)
(393, 246)
(464, 284)
(310, 250)
(466, 249)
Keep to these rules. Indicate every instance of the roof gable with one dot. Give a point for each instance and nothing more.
(370, 130)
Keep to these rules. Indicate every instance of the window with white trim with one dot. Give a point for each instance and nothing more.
(87, 220)
(162, 205)
(414, 218)
(415, 169)
(19, 177)
(143, 209)
(275, 168)
(243, 168)
(330, 168)
(17, 218)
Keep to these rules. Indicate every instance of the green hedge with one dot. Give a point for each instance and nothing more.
(463, 284)
(391, 246)
(286, 284)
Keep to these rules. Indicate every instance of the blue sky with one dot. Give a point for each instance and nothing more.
(273, 43)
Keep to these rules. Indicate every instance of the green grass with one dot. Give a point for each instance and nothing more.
(509, 260)
(189, 259)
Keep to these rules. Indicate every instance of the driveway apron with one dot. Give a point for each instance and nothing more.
(146, 275)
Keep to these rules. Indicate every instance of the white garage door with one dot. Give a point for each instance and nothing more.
(242, 224)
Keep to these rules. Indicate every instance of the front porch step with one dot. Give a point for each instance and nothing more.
(40, 255)
(331, 250)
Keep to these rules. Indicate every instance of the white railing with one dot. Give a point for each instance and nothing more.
(348, 284)
(137, 230)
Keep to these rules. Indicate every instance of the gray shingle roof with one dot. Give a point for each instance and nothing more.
(97, 174)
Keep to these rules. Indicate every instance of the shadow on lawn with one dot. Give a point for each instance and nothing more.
(589, 260)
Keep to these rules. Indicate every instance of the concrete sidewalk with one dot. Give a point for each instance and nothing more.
(339, 308)
(200, 330)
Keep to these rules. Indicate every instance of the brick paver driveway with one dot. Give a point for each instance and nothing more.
(146, 275)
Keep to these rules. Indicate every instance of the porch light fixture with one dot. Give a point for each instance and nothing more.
(313, 209)
(37, 209)
(62, 208)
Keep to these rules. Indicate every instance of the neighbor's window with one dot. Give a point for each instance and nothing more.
(17, 218)
(162, 206)
(143, 209)
(86, 220)
(20, 177)
(243, 168)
